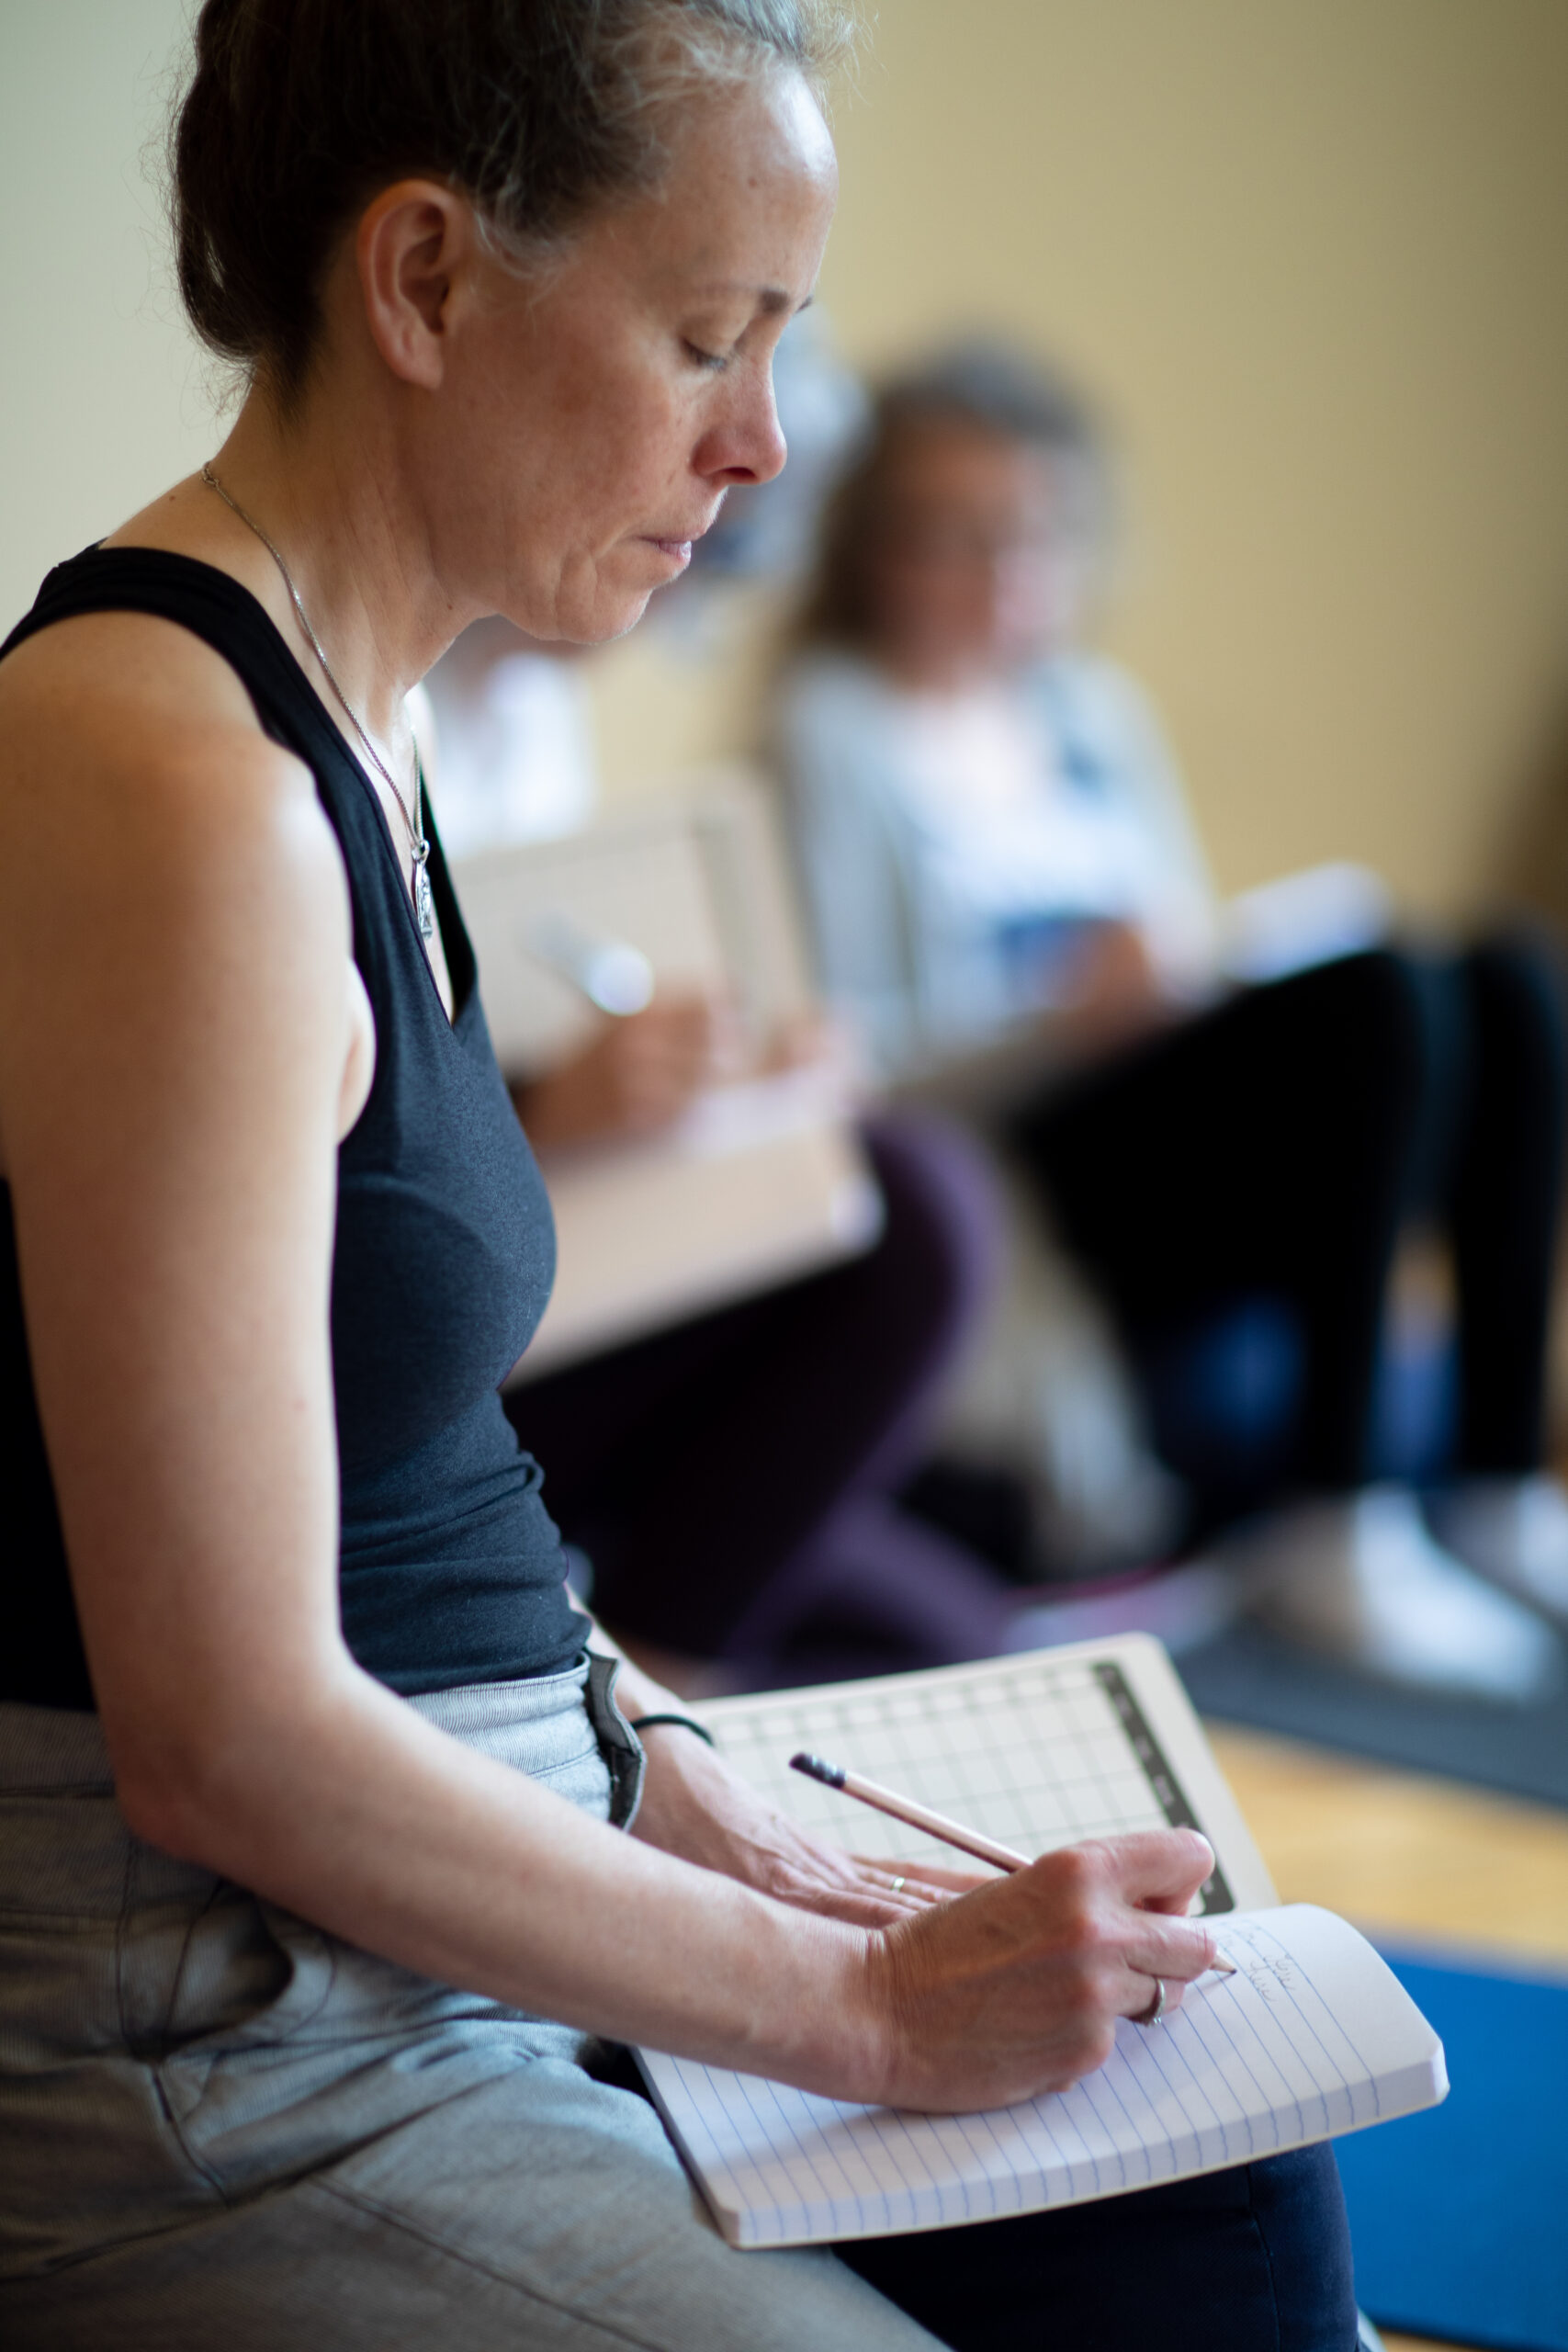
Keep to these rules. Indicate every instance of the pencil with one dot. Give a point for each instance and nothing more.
(919, 1816)
(935, 1825)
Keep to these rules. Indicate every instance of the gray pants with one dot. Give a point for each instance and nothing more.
(224, 2130)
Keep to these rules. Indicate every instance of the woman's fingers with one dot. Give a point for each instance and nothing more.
(1138, 1945)
(1151, 1994)
(1160, 1950)
(1179, 1956)
(1149, 1968)
(667, 1054)
(1119, 1882)
(871, 1893)
(868, 1906)
(1159, 1869)
(927, 1874)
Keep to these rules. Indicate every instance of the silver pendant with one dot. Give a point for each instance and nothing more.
(423, 896)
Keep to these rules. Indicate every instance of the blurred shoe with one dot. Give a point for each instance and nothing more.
(1359, 1578)
(1513, 1532)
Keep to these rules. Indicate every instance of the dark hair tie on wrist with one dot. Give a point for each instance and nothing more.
(646, 1723)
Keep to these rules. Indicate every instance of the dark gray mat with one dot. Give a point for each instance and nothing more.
(1250, 1679)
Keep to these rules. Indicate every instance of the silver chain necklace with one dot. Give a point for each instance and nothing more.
(419, 847)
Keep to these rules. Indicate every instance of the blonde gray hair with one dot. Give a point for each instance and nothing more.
(296, 111)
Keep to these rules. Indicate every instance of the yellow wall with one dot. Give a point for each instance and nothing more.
(1313, 251)
(1314, 254)
(103, 396)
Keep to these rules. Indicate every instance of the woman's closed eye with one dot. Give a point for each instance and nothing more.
(715, 361)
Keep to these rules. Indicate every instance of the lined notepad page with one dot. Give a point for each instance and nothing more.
(1312, 2036)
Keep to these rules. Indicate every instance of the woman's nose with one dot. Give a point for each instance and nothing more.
(747, 443)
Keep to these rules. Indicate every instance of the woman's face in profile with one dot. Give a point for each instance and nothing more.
(593, 418)
(974, 568)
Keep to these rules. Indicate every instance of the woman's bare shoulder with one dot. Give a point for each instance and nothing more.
(174, 879)
(131, 738)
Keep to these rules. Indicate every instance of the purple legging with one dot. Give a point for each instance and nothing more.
(731, 1479)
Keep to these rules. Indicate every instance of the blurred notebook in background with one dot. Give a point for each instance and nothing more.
(762, 1181)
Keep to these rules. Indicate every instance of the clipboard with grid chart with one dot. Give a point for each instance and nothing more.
(1037, 1751)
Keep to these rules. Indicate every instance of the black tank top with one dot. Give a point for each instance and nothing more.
(451, 1568)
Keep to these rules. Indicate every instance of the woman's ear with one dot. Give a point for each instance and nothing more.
(412, 242)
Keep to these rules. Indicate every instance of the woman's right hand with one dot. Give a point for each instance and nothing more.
(1016, 1988)
(635, 1076)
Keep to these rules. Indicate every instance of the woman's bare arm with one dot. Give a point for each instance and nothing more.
(175, 1025)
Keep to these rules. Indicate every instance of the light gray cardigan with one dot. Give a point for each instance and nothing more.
(923, 975)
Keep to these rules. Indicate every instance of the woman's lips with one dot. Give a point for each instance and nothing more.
(677, 551)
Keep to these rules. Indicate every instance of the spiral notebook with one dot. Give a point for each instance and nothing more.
(1312, 2037)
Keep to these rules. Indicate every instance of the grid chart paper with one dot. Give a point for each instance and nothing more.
(1035, 1754)
(1312, 2036)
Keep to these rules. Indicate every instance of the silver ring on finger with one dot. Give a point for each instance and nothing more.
(898, 1884)
(1156, 2010)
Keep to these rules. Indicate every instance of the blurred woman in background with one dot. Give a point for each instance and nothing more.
(1004, 888)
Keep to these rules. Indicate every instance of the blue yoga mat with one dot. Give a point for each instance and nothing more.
(1460, 2217)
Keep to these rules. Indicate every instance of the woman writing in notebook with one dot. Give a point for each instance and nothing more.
(315, 1878)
